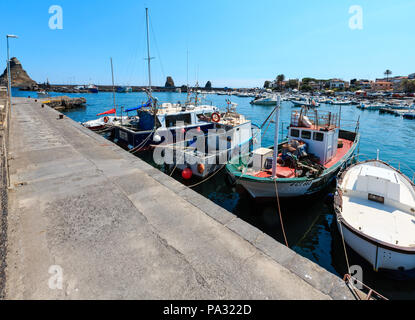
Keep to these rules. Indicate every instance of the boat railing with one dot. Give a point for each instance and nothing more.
(396, 163)
(314, 118)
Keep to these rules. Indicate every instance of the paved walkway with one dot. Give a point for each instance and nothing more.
(116, 228)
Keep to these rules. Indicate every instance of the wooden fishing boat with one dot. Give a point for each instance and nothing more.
(231, 136)
(375, 208)
(307, 162)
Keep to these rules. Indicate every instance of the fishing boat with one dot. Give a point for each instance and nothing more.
(307, 162)
(124, 89)
(156, 121)
(92, 88)
(375, 208)
(43, 94)
(231, 137)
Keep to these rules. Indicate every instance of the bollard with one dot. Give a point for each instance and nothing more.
(61, 116)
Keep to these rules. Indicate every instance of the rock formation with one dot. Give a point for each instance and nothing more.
(169, 83)
(65, 103)
(20, 78)
(208, 85)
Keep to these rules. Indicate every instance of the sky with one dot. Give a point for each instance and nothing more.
(234, 43)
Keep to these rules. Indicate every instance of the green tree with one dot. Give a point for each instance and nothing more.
(267, 84)
(387, 73)
(208, 85)
(292, 84)
(408, 86)
(280, 79)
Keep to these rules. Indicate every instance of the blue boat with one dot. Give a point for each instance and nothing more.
(124, 89)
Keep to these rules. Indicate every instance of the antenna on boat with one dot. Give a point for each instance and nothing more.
(113, 89)
(276, 138)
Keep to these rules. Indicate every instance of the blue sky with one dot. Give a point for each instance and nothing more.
(230, 42)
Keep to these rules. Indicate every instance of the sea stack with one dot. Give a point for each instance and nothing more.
(19, 76)
(169, 83)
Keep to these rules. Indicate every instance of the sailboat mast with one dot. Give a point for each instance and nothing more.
(148, 52)
(113, 88)
(276, 138)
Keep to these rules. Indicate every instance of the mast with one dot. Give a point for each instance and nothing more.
(113, 88)
(148, 53)
(276, 138)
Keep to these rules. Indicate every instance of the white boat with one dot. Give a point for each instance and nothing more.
(306, 103)
(375, 208)
(108, 121)
(265, 101)
(42, 94)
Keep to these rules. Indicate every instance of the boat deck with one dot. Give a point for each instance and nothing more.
(379, 221)
(391, 222)
(286, 172)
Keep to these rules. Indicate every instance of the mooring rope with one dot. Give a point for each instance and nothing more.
(279, 212)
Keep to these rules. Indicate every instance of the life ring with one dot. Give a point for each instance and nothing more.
(215, 117)
(106, 119)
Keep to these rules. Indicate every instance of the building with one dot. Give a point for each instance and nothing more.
(411, 76)
(338, 84)
(382, 85)
(364, 84)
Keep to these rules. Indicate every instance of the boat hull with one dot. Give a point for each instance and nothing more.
(379, 256)
(287, 188)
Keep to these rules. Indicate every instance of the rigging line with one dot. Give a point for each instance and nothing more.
(279, 212)
(157, 49)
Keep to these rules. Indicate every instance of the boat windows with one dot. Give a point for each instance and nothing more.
(318, 136)
(183, 118)
(375, 198)
(295, 133)
(306, 135)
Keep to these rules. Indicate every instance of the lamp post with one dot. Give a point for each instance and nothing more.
(9, 76)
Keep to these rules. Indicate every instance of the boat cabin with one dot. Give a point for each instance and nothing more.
(319, 131)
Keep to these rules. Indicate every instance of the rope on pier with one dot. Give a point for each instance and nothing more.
(279, 212)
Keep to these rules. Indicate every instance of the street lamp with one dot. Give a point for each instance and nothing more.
(9, 77)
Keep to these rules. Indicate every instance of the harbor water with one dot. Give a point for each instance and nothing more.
(309, 224)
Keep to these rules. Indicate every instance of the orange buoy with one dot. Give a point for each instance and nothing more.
(187, 174)
(200, 168)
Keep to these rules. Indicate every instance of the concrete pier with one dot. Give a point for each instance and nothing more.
(116, 228)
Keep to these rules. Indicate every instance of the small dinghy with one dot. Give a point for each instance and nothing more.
(375, 208)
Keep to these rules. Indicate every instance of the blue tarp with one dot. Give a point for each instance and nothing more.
(147, 104)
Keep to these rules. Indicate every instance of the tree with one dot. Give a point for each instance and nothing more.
(267, 84)
(292, 84)
(387, 73)
(208, 85)
(408, 86)
(280, 79)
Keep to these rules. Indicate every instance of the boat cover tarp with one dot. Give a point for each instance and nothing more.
(147, 104)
